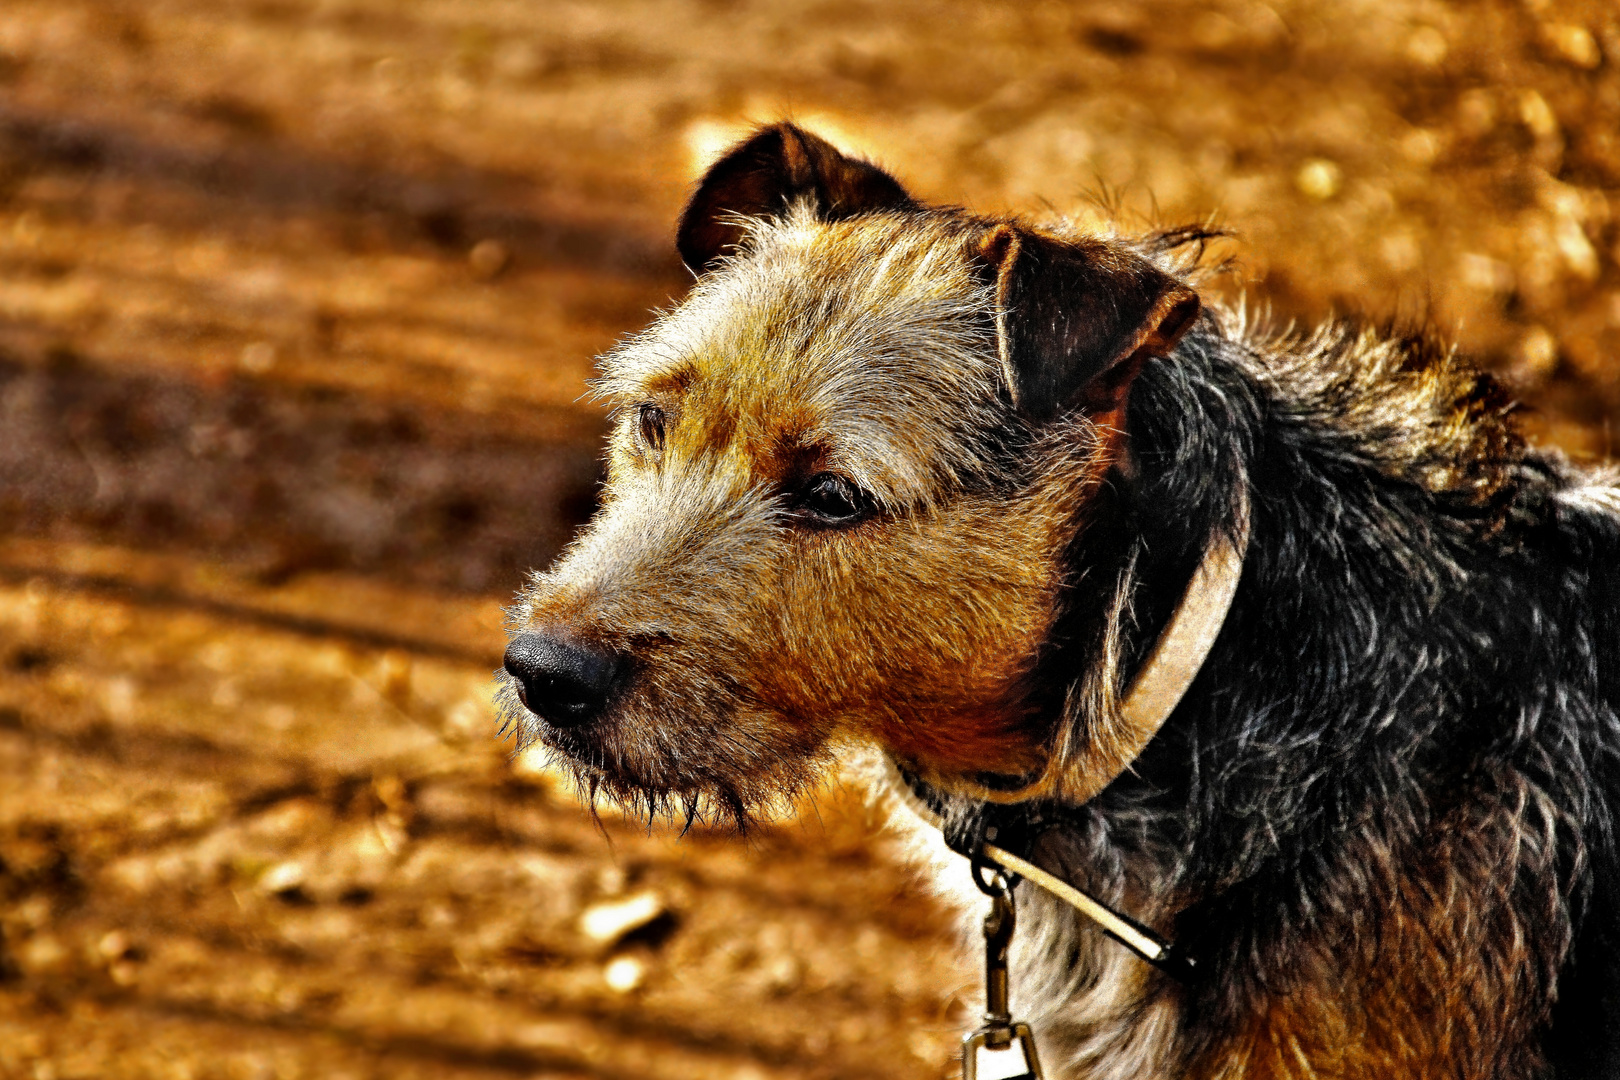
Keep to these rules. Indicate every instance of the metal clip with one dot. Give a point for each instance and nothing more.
(1000, 1049)
(1015, 1059)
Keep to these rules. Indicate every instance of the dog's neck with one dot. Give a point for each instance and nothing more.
(1074, 774)
(1172, 664)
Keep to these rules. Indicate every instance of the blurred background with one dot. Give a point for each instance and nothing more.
(296, 302)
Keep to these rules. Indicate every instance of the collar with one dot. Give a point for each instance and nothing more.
(1113, 743)
(998, 838)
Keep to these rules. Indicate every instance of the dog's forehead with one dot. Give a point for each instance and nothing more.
(871, 336)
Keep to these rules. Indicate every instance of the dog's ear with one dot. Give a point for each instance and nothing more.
(767, 173)
(1076, 320)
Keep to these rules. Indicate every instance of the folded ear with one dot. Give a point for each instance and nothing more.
(766, 174)
(1076, 320)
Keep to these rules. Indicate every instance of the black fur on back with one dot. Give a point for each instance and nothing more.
(1391, 788)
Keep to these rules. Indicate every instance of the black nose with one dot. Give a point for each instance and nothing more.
(564, 683)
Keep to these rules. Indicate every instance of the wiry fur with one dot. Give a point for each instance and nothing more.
(1382, 816)
(1381, 812)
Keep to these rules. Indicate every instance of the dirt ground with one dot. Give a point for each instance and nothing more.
(297, 298)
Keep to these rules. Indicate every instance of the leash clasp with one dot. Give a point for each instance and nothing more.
(1000, 1049)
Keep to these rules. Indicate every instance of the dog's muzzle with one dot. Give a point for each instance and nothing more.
(562, 682)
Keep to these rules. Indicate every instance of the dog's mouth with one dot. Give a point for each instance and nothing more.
(658, 740)
(642, 728)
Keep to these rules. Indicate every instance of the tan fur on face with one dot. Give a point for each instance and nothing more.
(864, 338)
(860, 348)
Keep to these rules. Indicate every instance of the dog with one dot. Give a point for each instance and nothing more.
(907, 477)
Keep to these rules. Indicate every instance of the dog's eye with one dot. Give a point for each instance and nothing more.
(830, 499)
(650, 422)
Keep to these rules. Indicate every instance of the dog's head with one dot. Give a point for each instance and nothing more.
(844, 482)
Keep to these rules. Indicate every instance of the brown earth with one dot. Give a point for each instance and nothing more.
(297, 298)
